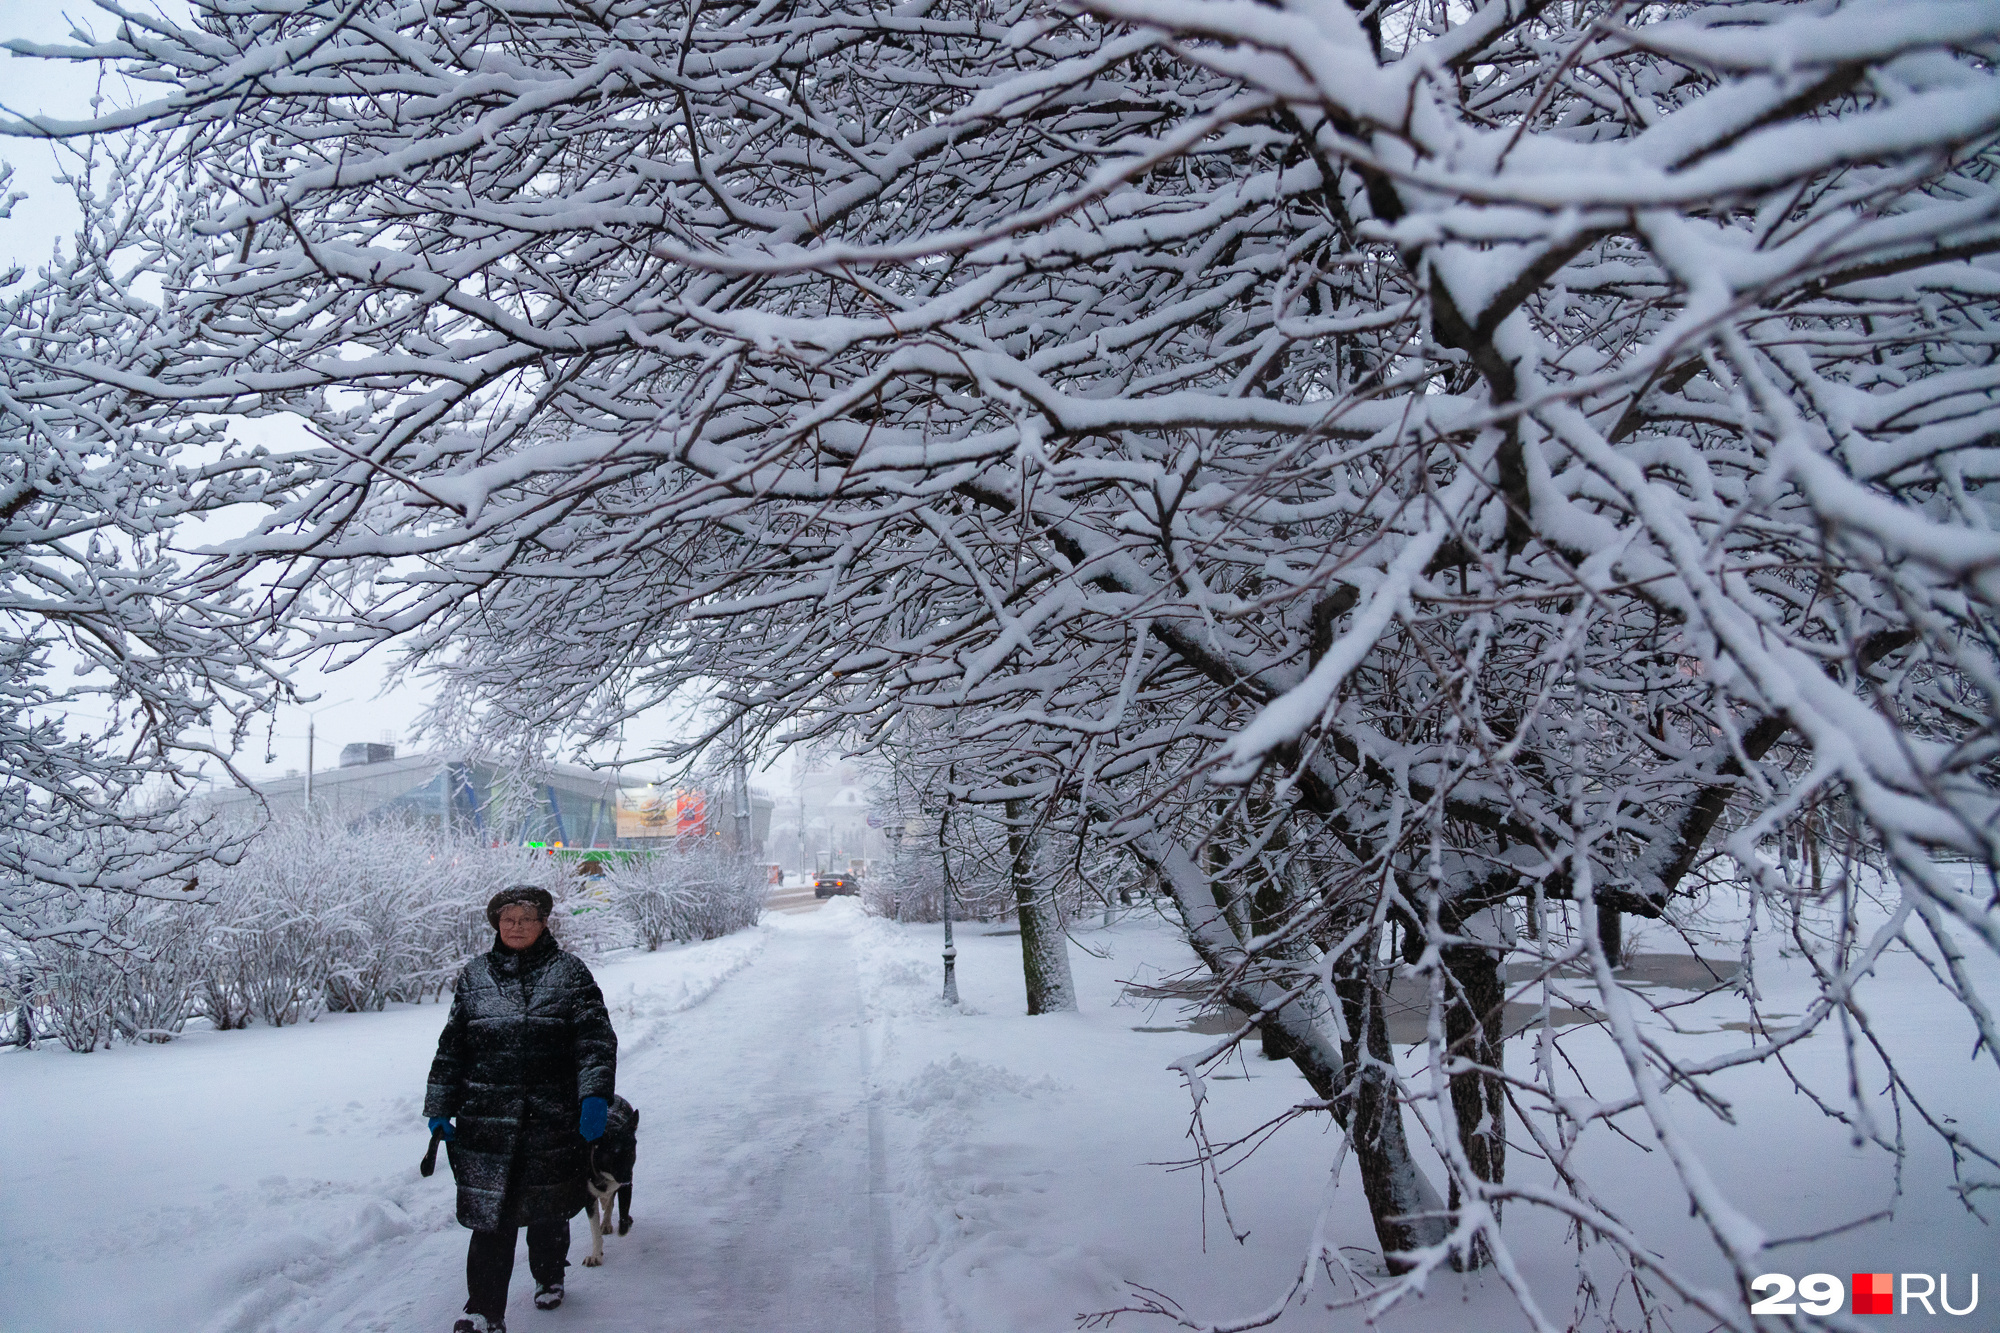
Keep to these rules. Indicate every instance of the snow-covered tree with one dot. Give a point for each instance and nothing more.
(122, 675)
(968, 834)
(1394, 468)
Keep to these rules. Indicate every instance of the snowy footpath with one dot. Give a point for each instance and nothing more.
(827, 1148)
(267, 1179)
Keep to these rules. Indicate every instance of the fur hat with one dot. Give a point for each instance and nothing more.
(539, 899)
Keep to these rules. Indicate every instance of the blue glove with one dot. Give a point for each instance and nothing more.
(591, 1123)
(441, 1124)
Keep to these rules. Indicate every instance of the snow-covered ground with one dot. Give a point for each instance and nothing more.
(1028, 1193)
(827, 1147)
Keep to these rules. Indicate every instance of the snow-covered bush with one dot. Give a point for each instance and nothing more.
(18, 1027)
(319, 915)
(645, 902)
(75, 994)
(315, 916)
(222, 992)
(584, 921)
(697, 890)
(133, 979)
(157, 978)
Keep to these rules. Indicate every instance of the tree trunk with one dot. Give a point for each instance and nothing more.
(1268, 908)
(1355, 1078)
(1401, 1200)
(1044, 947)
(1473, 1029)
(1216, 855)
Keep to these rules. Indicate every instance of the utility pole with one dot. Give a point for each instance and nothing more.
(739, 772)
(312, 718)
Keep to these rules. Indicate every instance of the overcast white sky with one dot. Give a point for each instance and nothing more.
(355, 704)
(29, 86)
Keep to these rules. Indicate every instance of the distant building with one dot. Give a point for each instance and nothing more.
(560, 803)
(827, 821)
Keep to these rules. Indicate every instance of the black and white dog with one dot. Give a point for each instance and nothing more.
(610, 1176)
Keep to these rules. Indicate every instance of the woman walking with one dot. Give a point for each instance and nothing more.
(526, 1064)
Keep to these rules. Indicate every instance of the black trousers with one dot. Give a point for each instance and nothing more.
(489, 1263)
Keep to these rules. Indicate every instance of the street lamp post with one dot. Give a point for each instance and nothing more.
(950, 954)
(944, 858)
(894, 832)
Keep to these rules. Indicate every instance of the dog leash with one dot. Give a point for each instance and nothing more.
(430, 1162)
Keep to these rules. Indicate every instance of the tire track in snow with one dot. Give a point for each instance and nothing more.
(881, 1221)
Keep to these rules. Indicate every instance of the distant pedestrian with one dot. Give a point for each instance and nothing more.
(527, 1064)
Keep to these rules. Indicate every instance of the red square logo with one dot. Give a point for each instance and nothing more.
(1874, 1293)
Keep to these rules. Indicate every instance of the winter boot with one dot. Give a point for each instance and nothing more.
(548, 1295)
(479, 1323)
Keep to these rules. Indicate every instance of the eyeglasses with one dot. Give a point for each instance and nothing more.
(520, 919)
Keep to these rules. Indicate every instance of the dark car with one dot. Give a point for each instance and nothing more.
(825, 886)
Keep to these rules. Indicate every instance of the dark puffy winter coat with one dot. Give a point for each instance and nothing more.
(528, 1039)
